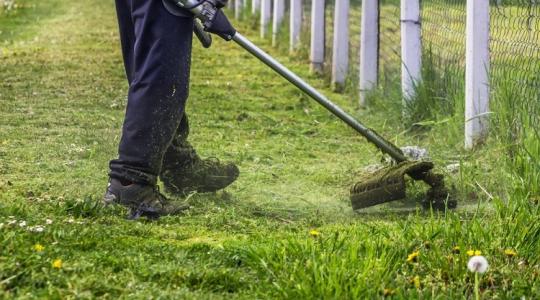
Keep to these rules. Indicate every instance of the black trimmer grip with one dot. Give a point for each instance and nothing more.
(221, 26)
(204, 37)
(212, 18)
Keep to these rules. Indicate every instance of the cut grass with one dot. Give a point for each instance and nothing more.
(62, 97)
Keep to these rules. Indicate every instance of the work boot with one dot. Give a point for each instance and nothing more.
(185, 172)
(141, 200)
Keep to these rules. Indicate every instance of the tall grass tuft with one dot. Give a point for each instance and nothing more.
(516, 126)
(437, 95)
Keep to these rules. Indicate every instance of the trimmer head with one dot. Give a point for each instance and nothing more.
(388, 184)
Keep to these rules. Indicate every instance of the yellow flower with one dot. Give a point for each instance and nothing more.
(57, 263)
(416, 281)
(388, 292)
(314, 233)
(413, 257)
(474, 252)
(456, 250)
(510, 252)
(39, 247)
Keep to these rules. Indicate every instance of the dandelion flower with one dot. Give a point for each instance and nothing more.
(478, 264)
(57, 263)
(413, 257)
(314, 233)
(39, 247)
(474, 252)
(510, 252)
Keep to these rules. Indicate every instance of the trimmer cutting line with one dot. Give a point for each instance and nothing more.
(385, 185)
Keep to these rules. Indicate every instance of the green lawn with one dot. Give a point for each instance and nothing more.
(285, 229)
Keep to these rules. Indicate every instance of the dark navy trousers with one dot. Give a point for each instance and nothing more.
(156, 48)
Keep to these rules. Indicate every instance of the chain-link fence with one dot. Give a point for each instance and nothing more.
(389, 43)
(443, 38)
(515, 45)
(443, 31)
(514, 39)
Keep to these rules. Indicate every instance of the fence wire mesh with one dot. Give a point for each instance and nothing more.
(514, 40)
(443, 30)
(515, 45)
(389, 42)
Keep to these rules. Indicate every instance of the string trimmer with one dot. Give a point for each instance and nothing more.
(385, 185)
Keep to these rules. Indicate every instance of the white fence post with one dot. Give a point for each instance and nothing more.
(369, 48)
(296, 24)
(411, 48)
(340, 54)
(266, 14)
(279, 12)
(317, 36)
(255, 6)
(477, 73)
(238, 9)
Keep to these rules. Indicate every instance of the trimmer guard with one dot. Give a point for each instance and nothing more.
(387, 184)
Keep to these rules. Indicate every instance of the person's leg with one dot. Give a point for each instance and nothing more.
(156, 48)
(176, 156)
(159, 81)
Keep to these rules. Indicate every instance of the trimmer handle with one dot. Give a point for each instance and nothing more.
(204, 37)
(210, 14)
